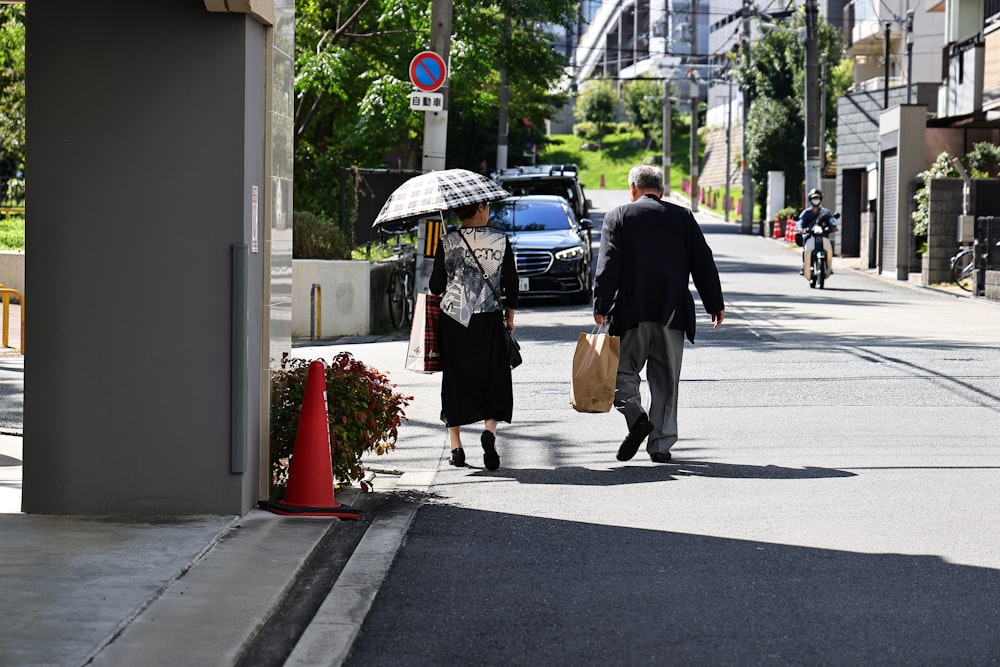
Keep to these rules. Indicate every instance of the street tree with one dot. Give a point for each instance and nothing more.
(774, 69)
(775, 143)
(352, 84)
(12, 145)
(643, 102)
(596, 105)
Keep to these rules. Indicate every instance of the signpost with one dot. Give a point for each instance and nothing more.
(428, 71)
(426, 101)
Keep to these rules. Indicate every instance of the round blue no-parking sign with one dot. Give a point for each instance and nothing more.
(428, 71)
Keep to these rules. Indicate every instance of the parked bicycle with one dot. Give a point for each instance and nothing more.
(402, 297)
(963, 265)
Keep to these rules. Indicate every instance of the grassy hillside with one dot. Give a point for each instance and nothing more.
(11, 233)
(620, 152)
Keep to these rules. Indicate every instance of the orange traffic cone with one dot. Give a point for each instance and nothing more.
(310, 473)
(790, 230)
(776, 232)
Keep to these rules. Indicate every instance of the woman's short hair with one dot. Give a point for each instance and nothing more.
(646, 177)
(466, 212)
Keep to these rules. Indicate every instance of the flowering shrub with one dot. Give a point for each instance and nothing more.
(364, 412)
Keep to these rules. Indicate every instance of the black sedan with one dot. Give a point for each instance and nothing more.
(552, 248)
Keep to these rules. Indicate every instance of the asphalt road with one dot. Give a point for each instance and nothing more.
(832, 499)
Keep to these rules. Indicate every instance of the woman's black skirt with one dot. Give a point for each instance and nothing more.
(475, 378)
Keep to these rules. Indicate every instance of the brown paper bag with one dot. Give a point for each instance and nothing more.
(595, 368)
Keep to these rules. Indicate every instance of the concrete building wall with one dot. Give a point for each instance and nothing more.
(146, 136)
(857, 149)
(901, 133)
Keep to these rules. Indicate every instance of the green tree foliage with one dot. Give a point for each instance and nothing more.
(775, 142)
(316, 237)
(352, 85)
(775, 70)
(596, 105)
(643, 101)
(983, 161)
(11, 91)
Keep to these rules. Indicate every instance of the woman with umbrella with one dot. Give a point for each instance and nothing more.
(473, 266)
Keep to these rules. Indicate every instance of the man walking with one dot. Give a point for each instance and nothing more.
(649, 249)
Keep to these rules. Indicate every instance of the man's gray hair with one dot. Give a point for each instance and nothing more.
(646, 177)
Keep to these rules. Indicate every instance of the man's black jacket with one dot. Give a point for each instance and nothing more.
(649, 248)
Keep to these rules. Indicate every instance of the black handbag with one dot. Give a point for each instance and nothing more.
(513, 347)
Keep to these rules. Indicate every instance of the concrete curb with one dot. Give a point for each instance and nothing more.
(329, 637)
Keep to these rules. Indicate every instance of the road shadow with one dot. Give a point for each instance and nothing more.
(647, 472)
(478, 587)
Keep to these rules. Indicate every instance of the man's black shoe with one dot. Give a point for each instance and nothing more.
(660, 457)
(636, 434)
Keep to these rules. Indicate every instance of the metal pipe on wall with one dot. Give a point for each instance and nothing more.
(240, 351)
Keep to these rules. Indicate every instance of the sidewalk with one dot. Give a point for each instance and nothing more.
(184, 590)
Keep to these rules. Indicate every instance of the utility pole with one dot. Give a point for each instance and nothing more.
(888, 53)
(435, 136)
(729, 146)
(812, 109)
(909, 55)
(693, 82)
(823, 78)
(666, 135)
(504, 124)
(746, 223)
(436, 122)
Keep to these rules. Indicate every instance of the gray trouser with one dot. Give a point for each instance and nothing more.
(661, 350)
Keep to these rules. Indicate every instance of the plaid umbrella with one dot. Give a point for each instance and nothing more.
(438, 191)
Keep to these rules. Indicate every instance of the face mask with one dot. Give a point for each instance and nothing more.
(816, 201)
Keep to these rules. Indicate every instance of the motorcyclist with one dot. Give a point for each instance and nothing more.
(809, 216)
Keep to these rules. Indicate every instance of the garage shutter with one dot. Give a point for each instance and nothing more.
(887, 201)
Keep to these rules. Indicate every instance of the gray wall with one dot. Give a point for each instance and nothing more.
(145, 135)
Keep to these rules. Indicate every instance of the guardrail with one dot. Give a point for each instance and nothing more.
(7, 292)
(7, 211)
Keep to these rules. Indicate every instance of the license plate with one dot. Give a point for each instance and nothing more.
(522, 284)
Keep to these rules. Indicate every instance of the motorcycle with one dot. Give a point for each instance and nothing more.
(818, 250)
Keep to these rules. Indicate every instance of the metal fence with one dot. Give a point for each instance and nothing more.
(988, 240)
(363, 192)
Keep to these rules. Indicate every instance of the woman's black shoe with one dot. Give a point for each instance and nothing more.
(490, 457)
(457, 457)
